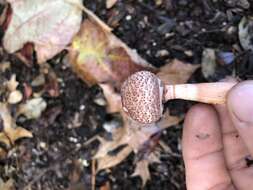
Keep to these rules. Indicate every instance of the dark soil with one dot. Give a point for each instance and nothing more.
(184, 28)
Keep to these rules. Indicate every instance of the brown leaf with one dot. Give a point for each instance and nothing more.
(28, 91)
(168, 120)
(49, 25)
(109, 161)
(26, 54)
(106, 186)
(11, 132)
(3, 154)
(113, 98)
(110, 3)
(97, 56)
(176, 72)
(118, 139)
(133, 135)
(142, 170)
(5, 65)
(52, 85)
(8, 185)
(12, 84)
(5, 15)
(75, 174)
(93, 17)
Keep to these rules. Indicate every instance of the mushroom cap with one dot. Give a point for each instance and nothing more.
(141, 96)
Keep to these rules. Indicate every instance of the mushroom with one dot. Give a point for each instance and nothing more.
(143, 95)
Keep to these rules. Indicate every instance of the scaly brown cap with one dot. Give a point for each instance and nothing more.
(141, 96)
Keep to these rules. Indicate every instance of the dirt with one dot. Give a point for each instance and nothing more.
(179, 29)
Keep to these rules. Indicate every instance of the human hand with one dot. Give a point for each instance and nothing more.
(218, 143)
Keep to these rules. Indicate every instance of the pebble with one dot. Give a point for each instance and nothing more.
(82, 107)
(169, 35)
(43, 145)
(84, 162)
(100, 101)
(189, 53)
(72, 139)
(128, 17)
(162, 53)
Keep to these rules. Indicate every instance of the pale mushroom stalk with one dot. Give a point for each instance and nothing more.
(143, 95)
(211, 93)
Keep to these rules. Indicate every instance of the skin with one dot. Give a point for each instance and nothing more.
(217, 140)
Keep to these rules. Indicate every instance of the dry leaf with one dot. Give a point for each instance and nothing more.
(50, 25)
(26, 54)
(52, 84)
(8, 185)
(113, 98)
(133, 135)
(3, 155)
(12, 84)
(106, 186)
(109, 161)
(15, 97)
(176, 72)
(110, 3)
(28, 91)
(93, 17)
(97, 56)
(33, 108)
(142, 170)
(4, 13)
(168, 120)
(11, 132)
(118, 139)
(4, 66)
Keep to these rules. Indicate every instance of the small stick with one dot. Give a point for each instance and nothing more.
(93, 174)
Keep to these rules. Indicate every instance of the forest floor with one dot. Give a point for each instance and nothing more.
(181, 29)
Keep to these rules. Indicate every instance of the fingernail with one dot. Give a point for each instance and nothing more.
(240, 102)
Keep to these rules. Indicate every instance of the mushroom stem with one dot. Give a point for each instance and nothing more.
(212, 93)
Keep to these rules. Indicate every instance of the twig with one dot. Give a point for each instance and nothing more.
(91, 140)
(93, 174)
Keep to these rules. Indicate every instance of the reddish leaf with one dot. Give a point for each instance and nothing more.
(97, 56)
